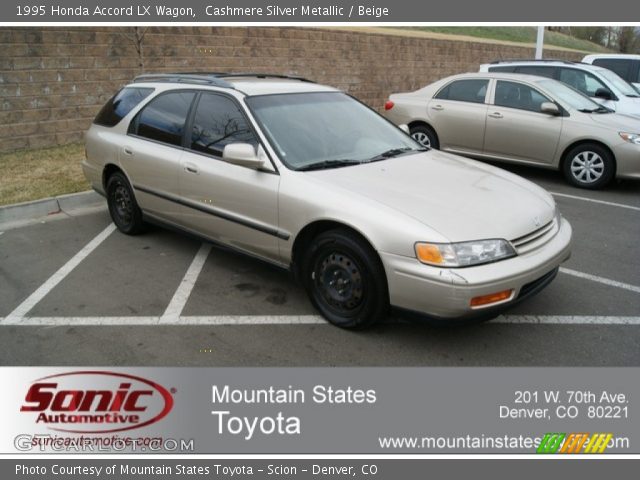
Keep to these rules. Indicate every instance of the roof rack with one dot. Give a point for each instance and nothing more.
(542, 60)
(183, 78)
(209, 78)
(265, 75)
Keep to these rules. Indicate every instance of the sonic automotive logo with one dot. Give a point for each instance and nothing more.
(122, 402)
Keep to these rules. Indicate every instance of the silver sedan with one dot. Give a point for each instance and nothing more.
(523, 119)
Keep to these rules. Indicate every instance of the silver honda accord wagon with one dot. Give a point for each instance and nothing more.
(308, 178)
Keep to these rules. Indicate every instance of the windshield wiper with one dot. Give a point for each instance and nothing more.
(394, 152)
(600, 109)
(633, 95)
(327, 164)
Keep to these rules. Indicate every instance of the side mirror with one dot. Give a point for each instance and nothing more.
(405, 128)
(243, 154)
(603, 94)
(550, 108)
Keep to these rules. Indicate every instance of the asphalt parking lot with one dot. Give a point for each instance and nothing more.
(75, 292)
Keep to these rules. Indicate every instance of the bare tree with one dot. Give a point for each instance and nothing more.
(136, 36)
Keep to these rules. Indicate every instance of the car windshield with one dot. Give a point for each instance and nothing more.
(622, 85)
(571, 97)
(327, 130)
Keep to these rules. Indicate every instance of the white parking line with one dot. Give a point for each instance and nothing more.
(566, 320)
(605, 281)
(603, 202)
(21, 310)
(179, 300)
(222, 320)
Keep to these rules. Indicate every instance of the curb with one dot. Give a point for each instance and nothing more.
(20, 213)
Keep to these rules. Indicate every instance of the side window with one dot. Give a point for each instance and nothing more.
(473, 91)
(581, 81)
(218, 121)
(120, 105)
(502, 69)
(518, 95)
(619, 65)
(538, 70)
(164, 117)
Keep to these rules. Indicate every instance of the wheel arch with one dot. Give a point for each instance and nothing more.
(315, 228)
(584, 141)
(108, 170)
(422, 123)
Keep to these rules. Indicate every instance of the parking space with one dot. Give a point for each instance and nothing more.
(76, 292)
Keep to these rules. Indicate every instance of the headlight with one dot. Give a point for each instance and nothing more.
(464, 254)
(631, 137)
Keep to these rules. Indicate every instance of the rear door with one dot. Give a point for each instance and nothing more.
(235, 205)
(517, 129)
(152, 151)
(458, 113)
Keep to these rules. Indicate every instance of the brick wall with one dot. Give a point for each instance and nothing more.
(53, 80)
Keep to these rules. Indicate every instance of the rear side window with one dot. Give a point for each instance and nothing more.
(473, 91)
(164, 117)
(548, 72)
(502, 69)
(120, 105)
(619, 65)
(218, 122)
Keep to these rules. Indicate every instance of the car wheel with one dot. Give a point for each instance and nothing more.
(425, 136)
(589, 166)
(345, 280)
(123, 207)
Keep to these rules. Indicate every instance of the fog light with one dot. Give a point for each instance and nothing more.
(491, 298)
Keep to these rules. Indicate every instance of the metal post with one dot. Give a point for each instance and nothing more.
(540, 42)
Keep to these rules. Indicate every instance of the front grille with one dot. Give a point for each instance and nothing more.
(535, 239)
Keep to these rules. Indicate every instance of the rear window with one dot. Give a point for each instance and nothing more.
(120, 105)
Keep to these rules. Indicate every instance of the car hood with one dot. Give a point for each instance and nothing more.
(617, 121)
(459, 198)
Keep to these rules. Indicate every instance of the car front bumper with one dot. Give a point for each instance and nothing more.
(627, 160)
(446, 293)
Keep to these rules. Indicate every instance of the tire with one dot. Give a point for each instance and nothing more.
(345, 280)
(425, 136)
(588, 165)
(123, 208)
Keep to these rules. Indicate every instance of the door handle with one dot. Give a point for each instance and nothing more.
(437, 107)
(495, 115)
(191, 168)
(128, 150)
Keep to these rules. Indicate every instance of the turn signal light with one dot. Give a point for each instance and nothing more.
(429, 253)
(491, 298)
(388, 105)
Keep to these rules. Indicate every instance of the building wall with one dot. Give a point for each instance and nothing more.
(54, 80)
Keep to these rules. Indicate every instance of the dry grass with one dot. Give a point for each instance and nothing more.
(32, 174)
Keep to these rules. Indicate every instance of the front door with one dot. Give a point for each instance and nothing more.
(517, 129)
(234, 205)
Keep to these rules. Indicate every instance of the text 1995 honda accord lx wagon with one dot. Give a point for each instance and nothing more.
(308, 178)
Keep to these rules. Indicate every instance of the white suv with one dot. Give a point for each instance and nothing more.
(601, 84)
(625, 65)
